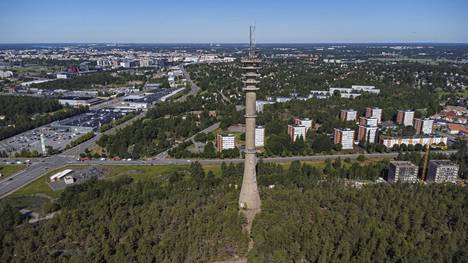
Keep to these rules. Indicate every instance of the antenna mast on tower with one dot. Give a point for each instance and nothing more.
(252, 42)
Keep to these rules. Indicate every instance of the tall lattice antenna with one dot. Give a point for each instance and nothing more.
(252, 42)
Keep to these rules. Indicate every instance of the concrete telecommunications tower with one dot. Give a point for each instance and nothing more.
(249, 197)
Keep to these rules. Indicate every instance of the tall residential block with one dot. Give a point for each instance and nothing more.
(405, 117)
(402, 171)
(367, 134)
(225, 142)
(304, 122)
(259, 136)
(423, 126)
(441, 171)
(345, 137)
(348, 115)
(374, 113)
(297, 131)
(368, 121)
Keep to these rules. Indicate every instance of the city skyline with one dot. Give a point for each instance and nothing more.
(187, 22)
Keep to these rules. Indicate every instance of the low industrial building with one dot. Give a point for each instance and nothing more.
(259, 104)
(60, 175)
(88, 122)
(78, 101)
(143, 102)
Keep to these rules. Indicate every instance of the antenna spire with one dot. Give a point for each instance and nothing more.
(252, 42)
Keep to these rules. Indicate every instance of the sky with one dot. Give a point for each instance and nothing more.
(227, 21)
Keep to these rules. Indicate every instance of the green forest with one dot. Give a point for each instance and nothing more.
(162, 127)
(312, 214)
(283, 77)
(90, 81)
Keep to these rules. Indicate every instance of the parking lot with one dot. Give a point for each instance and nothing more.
(59, 134)
(31, 140)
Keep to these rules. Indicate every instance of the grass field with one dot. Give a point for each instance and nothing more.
(10, 169)
(137, 172)
(35, 194)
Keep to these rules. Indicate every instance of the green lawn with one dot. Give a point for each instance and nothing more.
(137, 172)
(10, 169)
(34, 195)
(40, 185)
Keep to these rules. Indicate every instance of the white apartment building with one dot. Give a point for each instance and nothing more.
(405, 117)
(297, 131)
(345, 137)
(225, 142)
(423, 126)
(259, 136)
(304, 122)
(374, 113)
(389, 142)
(367, 134)
(259, 104)
(441, 171)
(371, 121)
(402, 171)
(348, 115)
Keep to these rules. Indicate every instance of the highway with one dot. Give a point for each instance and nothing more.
(194, 89)
(41, 166)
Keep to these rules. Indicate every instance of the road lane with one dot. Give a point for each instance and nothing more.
(37, 169)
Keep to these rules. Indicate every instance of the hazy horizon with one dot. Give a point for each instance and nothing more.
(296, 21)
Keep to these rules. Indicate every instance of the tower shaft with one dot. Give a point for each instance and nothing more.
(249, 196)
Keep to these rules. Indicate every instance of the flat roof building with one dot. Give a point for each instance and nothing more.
(402, 171)
(345, 137)
(259, 136)
(297, 131)
(367, 134)
(405, 117)
(348, 115)
(374, 113)
(60, 175)
(389, 142)
(423, 126)
(368, 121)
(225, 142)
(78, 101)
(441, 171)
(304, 122)
(259, 104)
